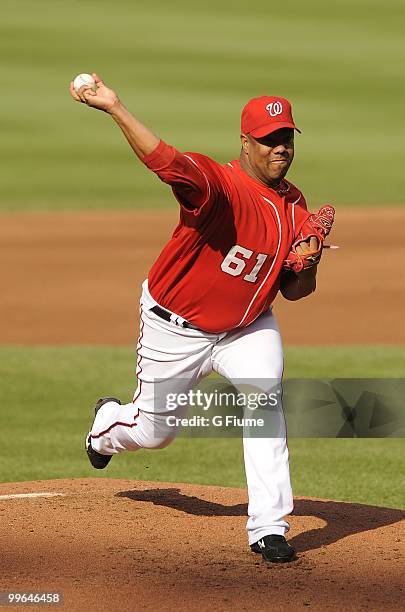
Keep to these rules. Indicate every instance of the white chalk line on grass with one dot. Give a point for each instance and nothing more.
(28, 495)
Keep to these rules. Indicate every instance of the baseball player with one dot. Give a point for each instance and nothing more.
(244, 234)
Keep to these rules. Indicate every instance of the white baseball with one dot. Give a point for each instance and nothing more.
(84, 80)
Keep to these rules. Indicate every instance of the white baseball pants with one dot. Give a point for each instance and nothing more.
(176, 358)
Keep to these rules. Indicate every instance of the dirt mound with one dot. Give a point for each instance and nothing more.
(75, 278)
(128, 545)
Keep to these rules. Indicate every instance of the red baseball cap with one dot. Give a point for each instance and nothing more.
(264, 115)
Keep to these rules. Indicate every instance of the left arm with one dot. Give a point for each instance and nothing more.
(294, 286)
(297, 285)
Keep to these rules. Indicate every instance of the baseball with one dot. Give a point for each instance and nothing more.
(84, 80)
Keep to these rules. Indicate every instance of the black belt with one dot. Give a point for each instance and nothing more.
(167, 316)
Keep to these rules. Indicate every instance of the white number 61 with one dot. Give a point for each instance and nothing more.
(235, 262)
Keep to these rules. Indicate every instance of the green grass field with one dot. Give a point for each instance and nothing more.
(187, 71)
(47, 398)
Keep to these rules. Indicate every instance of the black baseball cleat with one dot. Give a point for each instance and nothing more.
(274, 548)
(96, 459)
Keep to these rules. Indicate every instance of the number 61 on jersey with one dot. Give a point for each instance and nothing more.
(236, 260)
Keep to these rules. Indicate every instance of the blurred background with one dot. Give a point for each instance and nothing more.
(187, 72)
(81, 220)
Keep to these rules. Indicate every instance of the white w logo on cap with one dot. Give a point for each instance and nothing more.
(275, 108)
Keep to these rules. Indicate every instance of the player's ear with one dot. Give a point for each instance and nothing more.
(245, 143)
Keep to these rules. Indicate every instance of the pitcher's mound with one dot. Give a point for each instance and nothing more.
(128, 545)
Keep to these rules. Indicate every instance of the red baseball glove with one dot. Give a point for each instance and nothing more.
(318, 226)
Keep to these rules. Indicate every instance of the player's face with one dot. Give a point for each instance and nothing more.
(269, 158)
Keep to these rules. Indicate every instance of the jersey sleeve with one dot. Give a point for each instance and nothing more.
(300, 214)
(197, 181)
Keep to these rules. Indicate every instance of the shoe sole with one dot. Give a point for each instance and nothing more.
(280, 559)
(255, 549)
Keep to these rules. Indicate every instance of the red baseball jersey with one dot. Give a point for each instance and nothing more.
(221, 268)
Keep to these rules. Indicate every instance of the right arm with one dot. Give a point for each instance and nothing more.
(140, 138)
(195, 182)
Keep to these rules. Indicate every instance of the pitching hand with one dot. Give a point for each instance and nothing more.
(103, 98)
